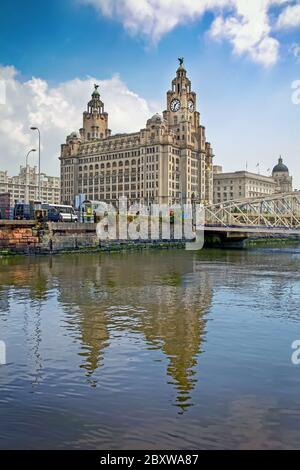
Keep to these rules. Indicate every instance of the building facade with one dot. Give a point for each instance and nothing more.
(281, 175)
(167, 162)
(244, 184)
(240, 185)
(24, 186)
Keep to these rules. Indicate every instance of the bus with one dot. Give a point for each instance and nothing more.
(61, 213)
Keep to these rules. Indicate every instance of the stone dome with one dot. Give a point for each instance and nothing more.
(280, 167)
(74, 135)
(156, 118)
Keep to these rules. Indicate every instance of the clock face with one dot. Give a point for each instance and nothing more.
(191, 106)
(175, 105)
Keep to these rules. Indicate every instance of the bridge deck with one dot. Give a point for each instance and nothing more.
(254, 230)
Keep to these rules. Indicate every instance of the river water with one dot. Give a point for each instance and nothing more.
(153, 350)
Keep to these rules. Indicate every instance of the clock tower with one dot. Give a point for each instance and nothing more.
(95, 120)
(181, 112)
(195, 152)
(168, 161)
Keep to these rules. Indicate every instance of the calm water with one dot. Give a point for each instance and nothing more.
(170, 349)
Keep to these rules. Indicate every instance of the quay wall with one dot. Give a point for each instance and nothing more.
(32, 238)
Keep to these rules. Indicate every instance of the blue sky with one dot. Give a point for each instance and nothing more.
(242, 63)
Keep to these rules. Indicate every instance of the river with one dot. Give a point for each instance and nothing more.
(161, 349)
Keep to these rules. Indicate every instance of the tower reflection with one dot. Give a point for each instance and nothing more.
(152, 296)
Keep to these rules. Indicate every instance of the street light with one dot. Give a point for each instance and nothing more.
(33, 128)
(32, 150)
(26, 176)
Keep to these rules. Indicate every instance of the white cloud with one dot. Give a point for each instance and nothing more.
(153, 18)
(245, 23)
(57, 111)
(249, 30)
(289, 18)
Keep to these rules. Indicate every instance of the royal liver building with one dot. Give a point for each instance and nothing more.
(167, 162)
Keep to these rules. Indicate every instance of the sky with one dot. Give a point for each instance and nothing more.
(243, 58)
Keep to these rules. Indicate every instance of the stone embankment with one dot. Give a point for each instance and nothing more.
(32, 238)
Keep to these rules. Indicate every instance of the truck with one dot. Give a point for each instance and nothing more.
(5, 206)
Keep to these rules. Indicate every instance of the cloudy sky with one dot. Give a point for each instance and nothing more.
(243, 57)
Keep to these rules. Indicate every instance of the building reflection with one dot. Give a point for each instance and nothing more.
(157, 298)
(160, 298)
(174, 322)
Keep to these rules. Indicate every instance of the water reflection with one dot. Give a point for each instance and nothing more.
(164, 302)
(161, 297)
(135, 326)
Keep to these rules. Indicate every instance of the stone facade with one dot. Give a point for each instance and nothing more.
(240, 185)
(243, 184)
(18, 237)
(169, 161)
(281, 175)
(24, 186)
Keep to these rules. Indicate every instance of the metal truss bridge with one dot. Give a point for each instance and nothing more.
(274, 214)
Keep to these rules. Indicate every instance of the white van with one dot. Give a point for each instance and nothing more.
(66, 213)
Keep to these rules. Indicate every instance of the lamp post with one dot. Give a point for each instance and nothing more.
(33, 128)
(26, 176)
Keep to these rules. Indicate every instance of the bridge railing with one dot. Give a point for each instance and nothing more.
(280, 210)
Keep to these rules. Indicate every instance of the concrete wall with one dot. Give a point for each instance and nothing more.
(67, 237)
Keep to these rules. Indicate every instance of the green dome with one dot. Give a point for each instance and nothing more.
(280, 167)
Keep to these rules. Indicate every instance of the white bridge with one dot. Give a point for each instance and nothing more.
(274, 214)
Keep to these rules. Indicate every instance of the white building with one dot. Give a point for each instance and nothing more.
(240, 185)
(244, 184)
(24, 186)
